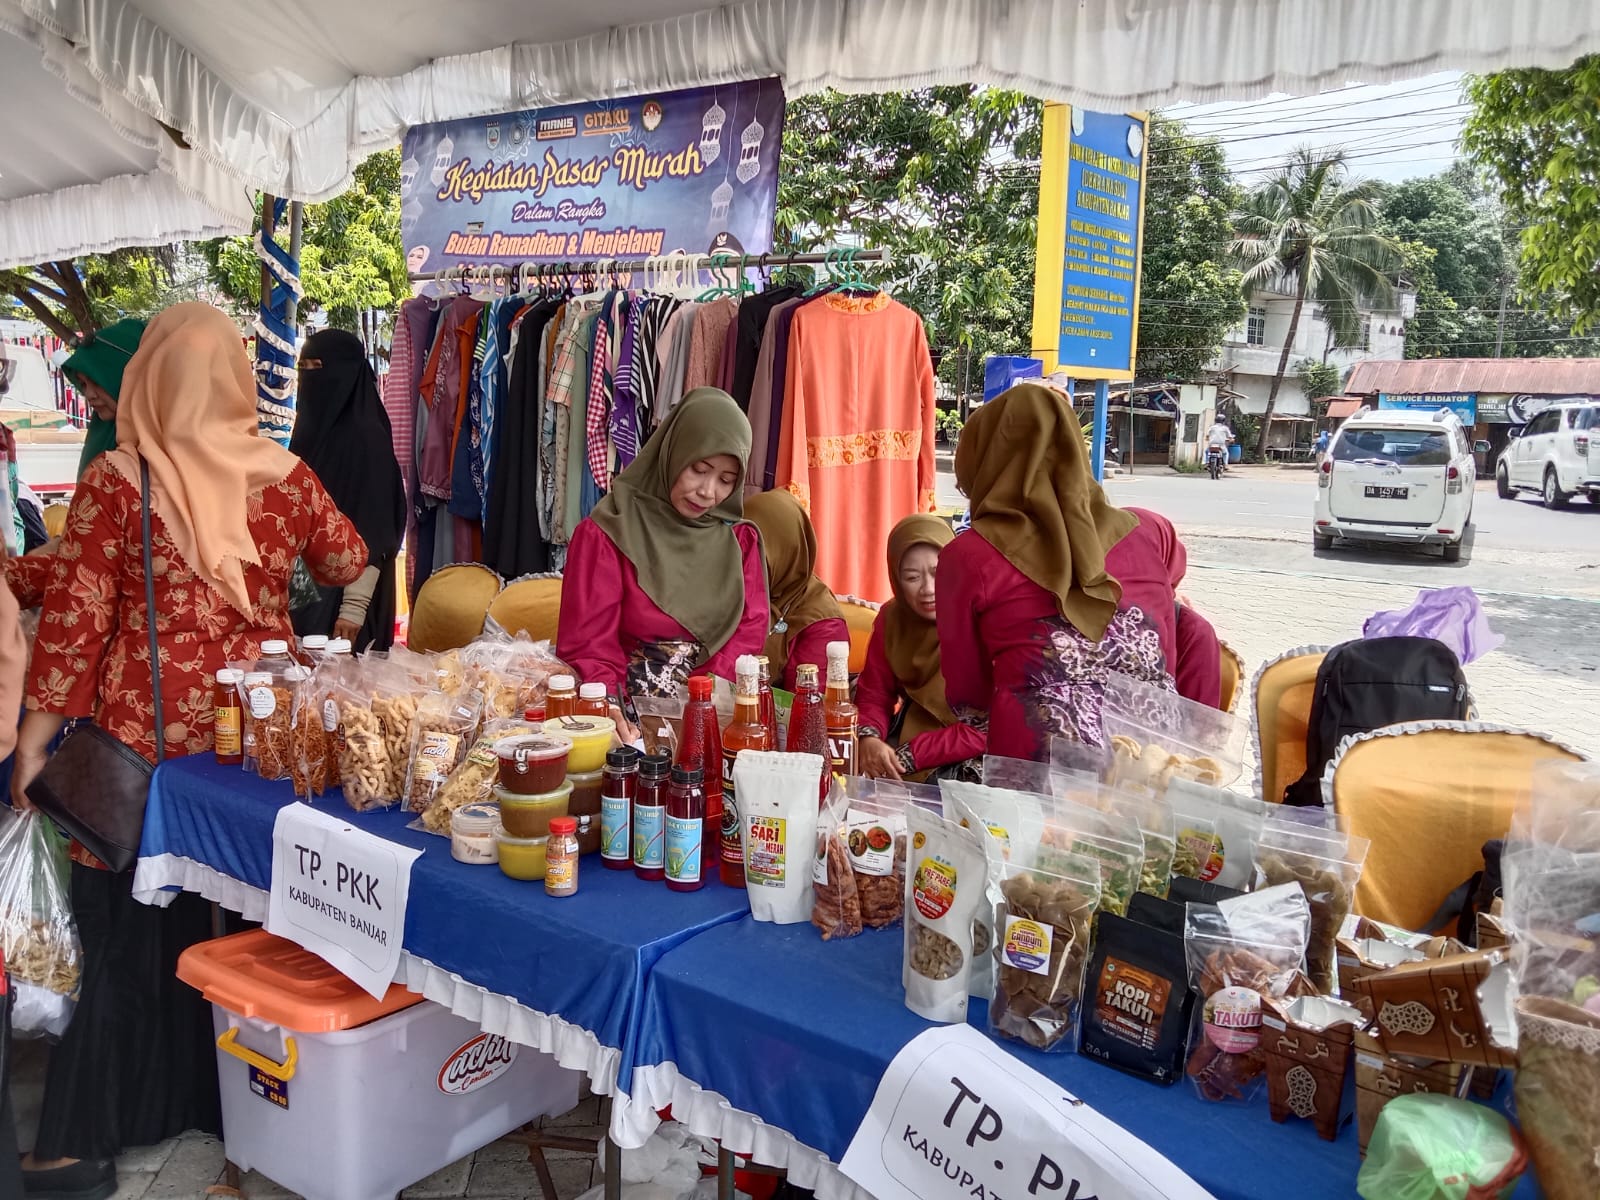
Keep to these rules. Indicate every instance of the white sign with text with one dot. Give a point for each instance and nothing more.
(341, 893)
(955, 1117)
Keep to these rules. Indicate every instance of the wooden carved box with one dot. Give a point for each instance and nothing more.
(1432, 1010)
(1307, 1045)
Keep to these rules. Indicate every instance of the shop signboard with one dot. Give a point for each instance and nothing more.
(1463, 404)
(1494, 408)
(1091, 221)
(689, 172)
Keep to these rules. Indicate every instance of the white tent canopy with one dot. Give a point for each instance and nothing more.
(287, 96)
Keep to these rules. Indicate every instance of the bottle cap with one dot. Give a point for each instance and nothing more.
(623, 758)
(838, 650)
(655, 766)
(699, 687)
(534, 712)
(228, 675)
(562, 683)
(688, 776)
(592, 691)
(806, 673)
(297, 674)
(339, 646)
(314, 641)
(274, 647)
(559, 825)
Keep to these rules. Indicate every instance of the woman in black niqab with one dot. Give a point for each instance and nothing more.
(342, 433)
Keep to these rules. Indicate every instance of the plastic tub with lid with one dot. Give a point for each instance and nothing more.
(338, 1096)
(591, 737)
(530, 816)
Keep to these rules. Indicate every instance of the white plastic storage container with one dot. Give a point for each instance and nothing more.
(338, 1096)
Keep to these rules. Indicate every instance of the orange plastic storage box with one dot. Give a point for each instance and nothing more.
(338, 1096)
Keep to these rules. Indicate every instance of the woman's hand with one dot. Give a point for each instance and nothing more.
(347, 630)
(877, 759)
(627, 732)
(25, 767)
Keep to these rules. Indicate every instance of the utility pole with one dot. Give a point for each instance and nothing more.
(1500, 329)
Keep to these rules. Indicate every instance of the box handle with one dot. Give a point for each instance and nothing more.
(228, 1043)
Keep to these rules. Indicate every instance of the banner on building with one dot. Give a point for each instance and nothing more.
(687, 172)
(1463, 404)
(1091, 222)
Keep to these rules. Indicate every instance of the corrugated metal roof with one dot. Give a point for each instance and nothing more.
(1343, 407)
(1538, 376)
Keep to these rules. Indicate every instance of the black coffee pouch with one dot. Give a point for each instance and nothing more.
(1198, 891)
(1137, 999)
(1165, 915)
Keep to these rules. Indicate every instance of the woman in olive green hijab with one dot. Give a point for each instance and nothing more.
(95, 369)
(664, 578)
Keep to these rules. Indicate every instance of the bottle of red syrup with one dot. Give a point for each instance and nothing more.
(686, 814)
(702, 747)
(808, 732)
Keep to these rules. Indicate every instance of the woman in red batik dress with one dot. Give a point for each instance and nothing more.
(231, 512)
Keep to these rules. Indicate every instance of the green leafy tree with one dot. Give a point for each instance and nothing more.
(75, 297)
(1318, 379)
(351, 255)
(1312, 230)
(1436, 329)
(1537, 134)
(940, 178)
(1189, 293)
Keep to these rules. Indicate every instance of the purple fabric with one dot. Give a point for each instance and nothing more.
(624, 417)
(1451, 615)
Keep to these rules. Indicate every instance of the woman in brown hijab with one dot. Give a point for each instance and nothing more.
(805, 616)
(1053, 586)
(907, 727)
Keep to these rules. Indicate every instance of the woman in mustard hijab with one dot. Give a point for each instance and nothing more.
(1053, 586)
(907, 727)
(805, 616)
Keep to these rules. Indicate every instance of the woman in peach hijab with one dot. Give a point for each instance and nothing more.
(231, 511)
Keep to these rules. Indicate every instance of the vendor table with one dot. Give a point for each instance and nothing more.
(564, 975)
(773, 1041)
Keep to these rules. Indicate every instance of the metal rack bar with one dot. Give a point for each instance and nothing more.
(661, 262)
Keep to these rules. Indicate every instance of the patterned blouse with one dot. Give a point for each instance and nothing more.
(92, 655)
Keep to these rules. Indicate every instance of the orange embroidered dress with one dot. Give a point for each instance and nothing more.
(858, 428)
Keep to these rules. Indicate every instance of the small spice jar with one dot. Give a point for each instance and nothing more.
(228, 718)
(561, 857)
(472, 830)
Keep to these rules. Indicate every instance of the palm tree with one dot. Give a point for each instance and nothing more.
(1313, 230)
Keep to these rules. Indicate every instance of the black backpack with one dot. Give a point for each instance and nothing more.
(1369, 683)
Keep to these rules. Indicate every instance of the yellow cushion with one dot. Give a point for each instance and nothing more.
(860, 619)
(531, 606)
(1283, 717)
(1232, 676)
(451, 606)
(1428, 800)
(55, 519)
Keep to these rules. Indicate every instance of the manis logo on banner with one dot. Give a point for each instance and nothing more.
(679, 172)
(478, 1063)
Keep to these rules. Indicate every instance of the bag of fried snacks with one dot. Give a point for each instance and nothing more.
(374, 704)
(835, 907)
(1155, 735)
(1326, 864)
(37, 933)
(442, 731)
(946, 886)
(473, 780)
(1042, 932)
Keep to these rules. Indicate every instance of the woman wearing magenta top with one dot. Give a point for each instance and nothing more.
(1053, 587)
(907, 726)
(664, 578)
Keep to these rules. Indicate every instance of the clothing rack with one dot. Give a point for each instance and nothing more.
(659, 264)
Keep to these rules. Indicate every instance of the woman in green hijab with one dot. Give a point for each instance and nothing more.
(664, 578)
(95, 369)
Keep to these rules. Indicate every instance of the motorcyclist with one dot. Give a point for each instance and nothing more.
(1218, 438)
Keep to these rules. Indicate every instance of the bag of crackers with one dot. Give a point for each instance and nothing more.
(474, 778)
(375, 704)
(441, 732)
(836, 905)
(314, 729)
(37, 933)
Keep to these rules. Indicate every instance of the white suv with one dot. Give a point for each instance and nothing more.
(1557, 454)
(1396, 475)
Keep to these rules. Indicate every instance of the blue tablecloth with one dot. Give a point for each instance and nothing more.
(798, 1031)
(583, 958)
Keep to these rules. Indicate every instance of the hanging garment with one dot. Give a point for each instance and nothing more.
(856, 445)
(514, 545)
(672, 351)
(750, 326)
(766, 390)
(711, 321)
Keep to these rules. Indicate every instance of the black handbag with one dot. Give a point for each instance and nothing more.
(95, 787)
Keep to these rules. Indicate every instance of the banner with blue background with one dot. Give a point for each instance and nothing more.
(688, 172)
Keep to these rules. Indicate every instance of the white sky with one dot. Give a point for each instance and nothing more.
(1389, 131)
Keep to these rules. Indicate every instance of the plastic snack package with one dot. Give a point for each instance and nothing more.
(442, 730)
(1428, 1147)
(473, 780)
(835, 907)
(1018, 774)
(1238, 953)
(1152, 816)
(778, 822)
(875, 841)
(1327, 866)
(1111, 839)
(660, 722)
(1216, 833)
(370, 701)
(1155, 735)
(1042, 932)
(315, 761)
(1138, 1003)
(946, 885)
(37, 932)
